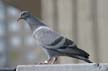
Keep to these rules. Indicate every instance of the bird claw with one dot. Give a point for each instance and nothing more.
(45, 62)
(49, 61)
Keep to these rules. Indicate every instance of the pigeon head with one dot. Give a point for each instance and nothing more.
(30, 19)
(24, 15)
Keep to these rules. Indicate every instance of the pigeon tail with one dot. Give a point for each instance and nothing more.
(81, 58)
(81, 53)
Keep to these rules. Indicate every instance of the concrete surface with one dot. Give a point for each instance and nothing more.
(63, 67)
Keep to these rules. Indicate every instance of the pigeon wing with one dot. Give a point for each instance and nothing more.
(48, 38)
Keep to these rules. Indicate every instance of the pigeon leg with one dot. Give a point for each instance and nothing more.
(46, 61)
(54, 59)
(51, 60)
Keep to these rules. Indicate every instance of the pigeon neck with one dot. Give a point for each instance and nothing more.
(34, 23)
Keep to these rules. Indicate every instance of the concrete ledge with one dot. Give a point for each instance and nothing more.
(64, 67)
(103, 67)
(7, 69)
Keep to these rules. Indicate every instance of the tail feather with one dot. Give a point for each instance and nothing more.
(83, 53)
(69, 51)
(79, 52)
(71, 48)
(81, 58)
(84, 59)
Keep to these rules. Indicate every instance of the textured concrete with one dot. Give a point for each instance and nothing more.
(61, 67)
(103, 67)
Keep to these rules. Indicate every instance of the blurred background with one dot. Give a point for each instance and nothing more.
(83, 21)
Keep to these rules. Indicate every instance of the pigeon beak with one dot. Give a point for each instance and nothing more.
(19, 19)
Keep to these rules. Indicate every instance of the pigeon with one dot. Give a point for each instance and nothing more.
(52, 42)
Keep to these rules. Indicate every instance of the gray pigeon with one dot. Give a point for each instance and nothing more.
(54, 43)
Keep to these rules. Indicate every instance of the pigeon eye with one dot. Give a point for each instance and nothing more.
(24, 14)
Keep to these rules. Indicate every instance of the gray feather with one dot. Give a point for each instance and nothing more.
(48, 38)
(53, 42)
(34, 23)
